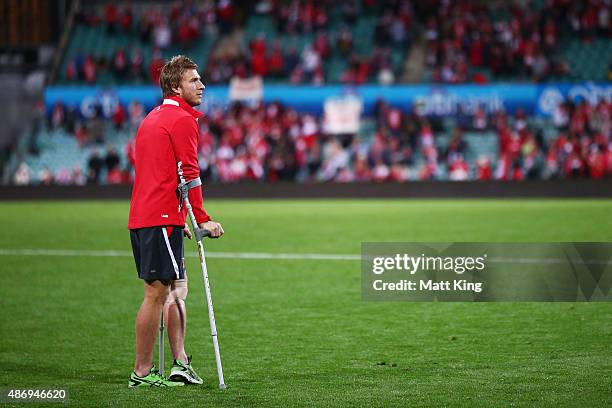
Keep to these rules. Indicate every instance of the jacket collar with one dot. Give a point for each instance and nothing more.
(180, 102)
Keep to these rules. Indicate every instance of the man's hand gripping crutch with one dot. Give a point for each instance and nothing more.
(208, 229)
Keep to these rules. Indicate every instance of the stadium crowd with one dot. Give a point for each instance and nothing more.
(267, 57)
(272, 142)
(183, 24)
(465, 41)
(463, 35)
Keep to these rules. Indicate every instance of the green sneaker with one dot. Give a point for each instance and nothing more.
(184, 373)
(153, 379)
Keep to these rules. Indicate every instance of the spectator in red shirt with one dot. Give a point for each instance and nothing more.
(225, 14)
(71, 71)
(574, 165)
(81, 135)
(126, 18)
(276, 62)
(120, 64)
(517, 172)
(156, 66)
(118, 116)
(136, 64)
(111, 16)
(321, 45)
(477, 52)
(258, 56)
(89, 70)
(458, 169)
(483, 169)
(596, 163)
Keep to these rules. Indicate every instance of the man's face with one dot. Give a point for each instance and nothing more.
(191, 88)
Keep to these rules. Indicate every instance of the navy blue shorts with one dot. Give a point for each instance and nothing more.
(159, 253)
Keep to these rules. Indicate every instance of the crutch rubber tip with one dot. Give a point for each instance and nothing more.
(222, 386)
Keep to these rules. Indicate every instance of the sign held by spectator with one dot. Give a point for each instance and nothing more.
(342, 115)
(246, 89)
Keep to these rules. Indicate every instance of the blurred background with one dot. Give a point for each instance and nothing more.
(313, 91)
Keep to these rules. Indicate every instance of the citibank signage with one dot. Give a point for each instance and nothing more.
(429, 99)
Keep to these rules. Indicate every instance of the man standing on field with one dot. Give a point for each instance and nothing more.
(166, 145)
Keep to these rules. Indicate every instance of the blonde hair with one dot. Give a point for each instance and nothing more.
(172, 73)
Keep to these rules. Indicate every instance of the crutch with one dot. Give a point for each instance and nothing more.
(199, 233)
(161, 343)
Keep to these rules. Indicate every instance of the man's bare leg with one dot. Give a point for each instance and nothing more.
(147, 324)
(175, 316)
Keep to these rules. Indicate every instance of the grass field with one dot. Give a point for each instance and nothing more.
(295, 332)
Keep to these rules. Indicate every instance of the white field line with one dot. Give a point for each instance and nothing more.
(226, 255)
(269, 256)
(548, 261)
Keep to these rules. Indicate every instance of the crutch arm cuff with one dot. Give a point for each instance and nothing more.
(188, 185)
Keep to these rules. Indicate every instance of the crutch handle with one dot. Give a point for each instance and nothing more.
(201, 233)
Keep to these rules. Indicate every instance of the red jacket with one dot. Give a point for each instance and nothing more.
(167, 138)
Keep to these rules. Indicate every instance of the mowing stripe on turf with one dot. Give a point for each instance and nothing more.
(269, 256)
